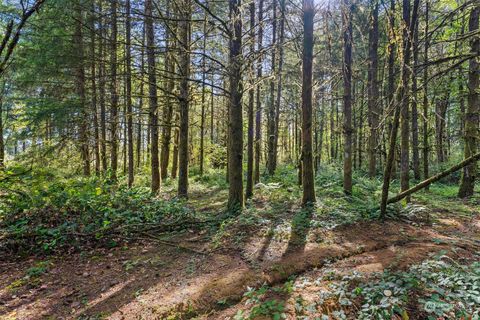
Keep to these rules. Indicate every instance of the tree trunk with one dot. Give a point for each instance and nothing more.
(251, 102)
(128, 89)
(153, 98)
(235, 145)
(184, 71)
(425, 150)
(258, 115)
(279, 82)
(464, 164)
(102, 93)
(415, 143)
(373, 94)
(347, 96)
(472, 115)
(140, 101)
(308, 181)
(175, 148)
(93, 75)
(202, 112)
(169, 89)
(113, 94)
(271, 116)
(80, 87)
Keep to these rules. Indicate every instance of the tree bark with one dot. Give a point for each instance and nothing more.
(128, 89)
(235, 145)
(113, 94)
(426, 150)
(153, 98)
(258, 115)
(307, 156)
(184, 71)
(80, 87)
(373, 94)
(464, 164)
(102, 92)
(347, 96)
(415, 142)
(251, 103)
(93, 75)
(472, 115)
(271, 116)
(169, 88)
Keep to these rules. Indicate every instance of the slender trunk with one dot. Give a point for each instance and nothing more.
(128, 97)
(93, 75)
(140, 101)
(80, 87)
(202, 112)
(464, 164)
(169, 88)
(175, 149)
(472, 115)
(415, 143)
(102, 93)
(184, 71)
(153, 98)
(258, 115)
(347, 96)
(373, 94)
(235, 145)
(113, 94)
(425, 150)
(279, 82)
(307, 157)
(410, 20)
(251, 102)
(271, 108)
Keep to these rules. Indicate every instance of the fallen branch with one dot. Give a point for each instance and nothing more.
(433, 179)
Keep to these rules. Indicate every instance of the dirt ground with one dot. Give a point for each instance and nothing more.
(151, 280)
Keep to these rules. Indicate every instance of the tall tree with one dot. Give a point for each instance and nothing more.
(128, 89)
(184, 70)
(80, 86)
(307, 84)
(425, 94)
(113, 93)
(415, 141)
(472, 115)
(102, 91)
(258, 115)
(93, 76)
(153, 98)
(373, 94)
(347, 96)
(251, 102)
(169, 88)
(235, 136)
(271, 116)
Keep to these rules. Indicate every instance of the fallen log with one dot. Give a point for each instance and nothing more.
(435, 178)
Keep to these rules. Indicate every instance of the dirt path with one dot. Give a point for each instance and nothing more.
(156, 282)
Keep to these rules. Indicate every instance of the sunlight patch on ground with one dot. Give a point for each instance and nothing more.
(104, 296)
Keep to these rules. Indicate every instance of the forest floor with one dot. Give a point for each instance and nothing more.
(274, 261)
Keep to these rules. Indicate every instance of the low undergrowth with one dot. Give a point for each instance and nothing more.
(47, 213)
(435, 289)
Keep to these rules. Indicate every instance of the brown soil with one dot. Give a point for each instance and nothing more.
(157, 281)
